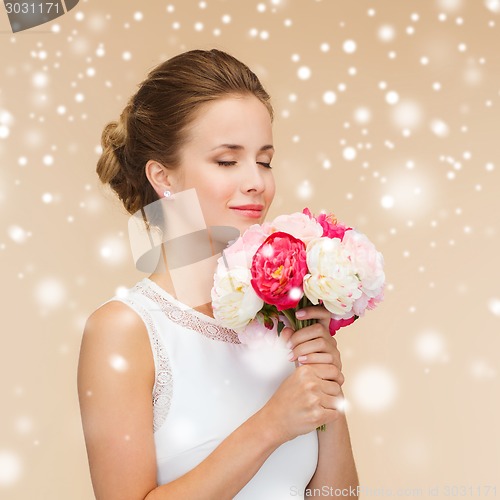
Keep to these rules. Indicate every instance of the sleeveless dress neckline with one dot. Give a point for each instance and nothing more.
(161, 291)
(185, 315)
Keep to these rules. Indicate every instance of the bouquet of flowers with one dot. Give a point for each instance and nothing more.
(275, 268)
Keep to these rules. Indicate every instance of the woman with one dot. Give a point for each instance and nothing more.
(170, 405)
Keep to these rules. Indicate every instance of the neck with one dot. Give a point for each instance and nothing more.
(190, 285)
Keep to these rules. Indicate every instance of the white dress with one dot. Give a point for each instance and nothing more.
(206, 384)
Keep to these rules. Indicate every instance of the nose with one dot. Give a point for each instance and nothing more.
(253, 177)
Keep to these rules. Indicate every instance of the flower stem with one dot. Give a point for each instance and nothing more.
(290, 315)
(297, 324)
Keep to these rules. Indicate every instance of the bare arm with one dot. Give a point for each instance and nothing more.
(115, 381)
(336, 469)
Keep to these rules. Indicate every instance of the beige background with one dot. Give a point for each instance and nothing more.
(422, 371)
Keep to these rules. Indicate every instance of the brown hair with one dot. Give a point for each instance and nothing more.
(153, 124)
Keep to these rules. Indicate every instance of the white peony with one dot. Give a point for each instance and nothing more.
(234, 301)
(332, 276)
(368, 263)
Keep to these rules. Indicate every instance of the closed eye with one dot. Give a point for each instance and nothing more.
(231, 163)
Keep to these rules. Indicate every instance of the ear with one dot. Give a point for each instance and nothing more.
(158, 176)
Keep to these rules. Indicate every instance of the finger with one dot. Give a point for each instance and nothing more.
(286, 334)
(330, 388)
(311, 346)
(330, 402)
(319, 313)
(326, 372)
(316, 357)
(316, 345)
(311, 332)
(313, 312)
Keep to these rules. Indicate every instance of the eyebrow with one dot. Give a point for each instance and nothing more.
(237, 147)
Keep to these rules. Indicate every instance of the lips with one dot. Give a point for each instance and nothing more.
(249, 207)
(252, 211)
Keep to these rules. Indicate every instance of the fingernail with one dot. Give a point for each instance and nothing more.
(289, 344)
(302, 358)
(300, 314)
(290, 355)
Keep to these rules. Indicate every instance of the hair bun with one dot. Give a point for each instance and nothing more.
(113, 140)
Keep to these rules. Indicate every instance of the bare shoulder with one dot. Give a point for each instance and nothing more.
(115, 381)
(115, 337)
(114, 315)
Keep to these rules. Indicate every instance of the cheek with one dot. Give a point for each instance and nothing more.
(214, 188)
(271, 190)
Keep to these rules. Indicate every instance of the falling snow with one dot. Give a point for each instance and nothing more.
(329, 97)
(118, 363)
(304, 73)
(50, 293)
(386, 33)
(374, 388)
(349, 153)
(430, 347)
(388, 117)
(10, 468)
(349, 46)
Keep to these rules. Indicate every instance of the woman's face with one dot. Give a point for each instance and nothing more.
(226, 159)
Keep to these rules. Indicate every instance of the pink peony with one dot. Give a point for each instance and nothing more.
(278, 270)
(331, 227)
(336, 324)
(256, 334)
(365, 302)
(240, 252)
(298, 225)
(374, 301)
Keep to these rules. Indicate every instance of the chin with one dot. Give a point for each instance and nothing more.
(242, 225)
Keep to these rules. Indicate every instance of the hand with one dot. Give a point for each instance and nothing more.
(304, 401)
(309, 398)
(313, 344)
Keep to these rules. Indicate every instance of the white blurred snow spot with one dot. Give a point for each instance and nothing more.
(386, 33)
(50, 292)
(10, 468)
(349, 153)
(481, 369)
(118, 363)
(329, 97)
(440, 128)
(17, 234)
(374, 388)
(492, 5)
(392, 97)
(304, 73)
(430, 347)
(494, 306)
(387, 201)
(349, 46)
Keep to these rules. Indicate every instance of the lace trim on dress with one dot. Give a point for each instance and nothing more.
(187, 317)
(163, 386)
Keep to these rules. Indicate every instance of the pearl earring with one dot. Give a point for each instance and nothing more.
(167, 193)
